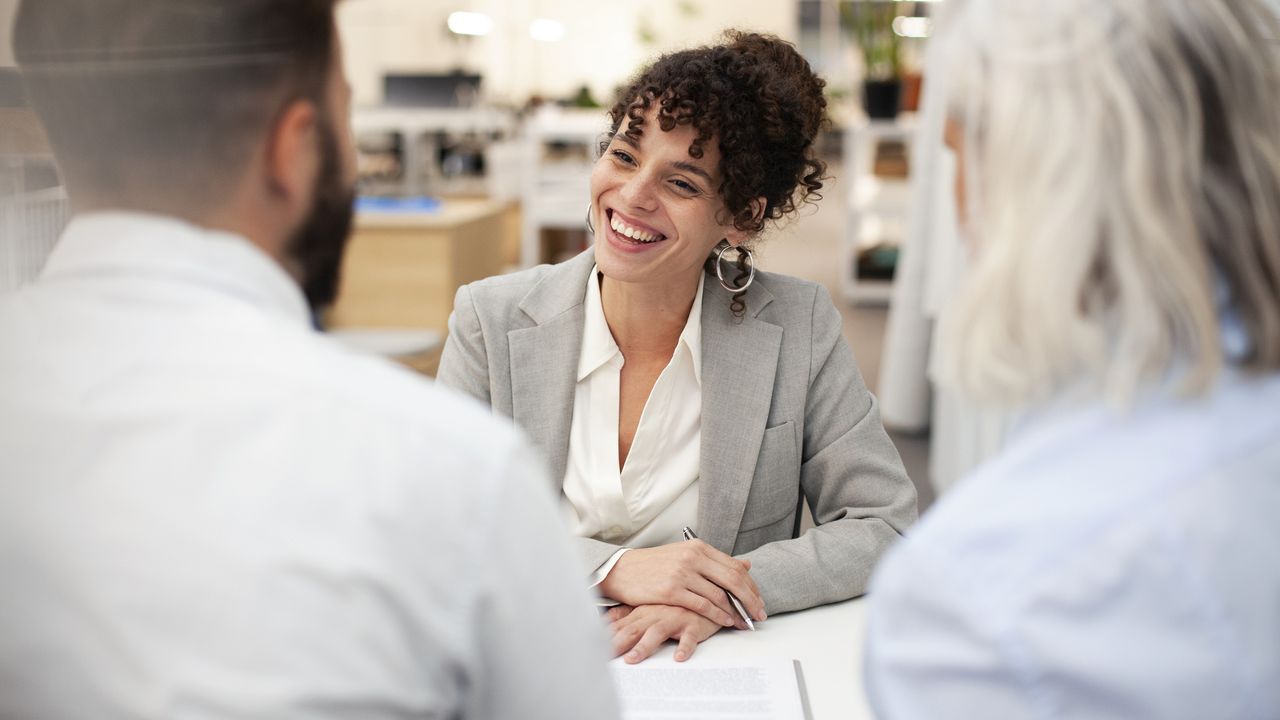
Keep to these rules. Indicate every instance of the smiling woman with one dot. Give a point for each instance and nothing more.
(659, 214)
(659, 384)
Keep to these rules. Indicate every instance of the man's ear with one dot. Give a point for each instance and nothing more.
(292, 157)
(737, 237)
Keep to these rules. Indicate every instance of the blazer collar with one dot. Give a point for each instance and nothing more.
(544, 359)
(740, 365)
(560, 289)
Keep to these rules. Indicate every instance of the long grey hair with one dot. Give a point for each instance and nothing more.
(1122, 168)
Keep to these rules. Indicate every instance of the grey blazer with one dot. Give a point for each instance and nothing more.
(784, 412)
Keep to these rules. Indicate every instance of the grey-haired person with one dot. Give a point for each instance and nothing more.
(1119, 172)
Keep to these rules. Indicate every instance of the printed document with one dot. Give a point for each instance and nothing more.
(756, 689)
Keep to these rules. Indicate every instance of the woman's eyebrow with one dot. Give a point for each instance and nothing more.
(691, 168)
(679, 164)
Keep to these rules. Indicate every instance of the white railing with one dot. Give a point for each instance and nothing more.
(30, 224)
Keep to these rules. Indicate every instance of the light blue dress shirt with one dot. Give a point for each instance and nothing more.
(1107, 565)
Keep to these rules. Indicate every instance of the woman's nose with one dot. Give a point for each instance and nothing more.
(638, 191)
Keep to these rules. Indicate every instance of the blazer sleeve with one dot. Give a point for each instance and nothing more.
(464, 362)
(852, 477)
(594, 553)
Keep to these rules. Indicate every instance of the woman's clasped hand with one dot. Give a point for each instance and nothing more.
(676, 592)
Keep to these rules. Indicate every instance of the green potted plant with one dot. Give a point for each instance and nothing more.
(872, 23)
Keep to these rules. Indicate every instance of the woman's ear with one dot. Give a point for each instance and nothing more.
(758, 207)
(737, 237)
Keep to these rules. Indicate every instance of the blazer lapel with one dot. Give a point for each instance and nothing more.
(544, 359)
(739, 362)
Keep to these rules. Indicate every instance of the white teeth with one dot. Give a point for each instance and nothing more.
(635, 234)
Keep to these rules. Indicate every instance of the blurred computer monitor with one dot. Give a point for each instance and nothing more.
(427, 90)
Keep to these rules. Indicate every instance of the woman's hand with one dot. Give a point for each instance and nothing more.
(687, 574)
(639, 632)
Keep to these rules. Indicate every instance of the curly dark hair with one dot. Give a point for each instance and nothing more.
(760, 101)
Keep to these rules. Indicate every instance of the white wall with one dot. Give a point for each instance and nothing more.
(601, 48)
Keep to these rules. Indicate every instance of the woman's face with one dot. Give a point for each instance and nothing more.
(656, 208)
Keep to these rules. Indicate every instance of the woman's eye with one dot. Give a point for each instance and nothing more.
(624, 157)
(686, 187)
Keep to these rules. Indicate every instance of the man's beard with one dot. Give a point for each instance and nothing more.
(317, 245)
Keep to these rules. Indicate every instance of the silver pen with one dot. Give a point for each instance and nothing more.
(737, 605)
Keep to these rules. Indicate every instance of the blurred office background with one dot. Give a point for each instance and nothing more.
(477, 122)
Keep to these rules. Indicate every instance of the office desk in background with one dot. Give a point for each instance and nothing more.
(402, 268)
(827, 640)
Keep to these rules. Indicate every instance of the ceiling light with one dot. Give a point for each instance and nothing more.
(470, 23)
(912, 27)
(546, 30)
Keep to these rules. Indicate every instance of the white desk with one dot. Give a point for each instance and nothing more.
(827, 641)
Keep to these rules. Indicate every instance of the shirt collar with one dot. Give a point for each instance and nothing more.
(118, 242)
(691, 336)
(599, 348)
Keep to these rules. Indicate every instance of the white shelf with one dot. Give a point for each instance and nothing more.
(562, 213)
(880, 230)
(417, 128)
(876, 207)
(871, 194)
(552, 124)
(556, 192)
(901, 128)
(421, 120)
(869, 292)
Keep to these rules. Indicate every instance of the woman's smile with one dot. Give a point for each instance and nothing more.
(630, 235)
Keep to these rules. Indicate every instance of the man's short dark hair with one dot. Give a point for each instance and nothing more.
(168, 98)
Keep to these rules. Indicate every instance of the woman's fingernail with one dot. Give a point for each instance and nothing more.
(680, 657)
(633, 655)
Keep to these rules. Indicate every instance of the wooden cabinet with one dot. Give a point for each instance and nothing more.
(402, 268)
